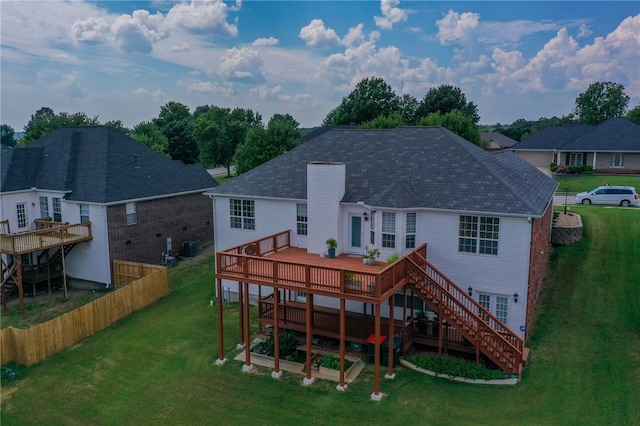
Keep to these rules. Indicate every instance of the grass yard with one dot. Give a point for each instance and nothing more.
(158, 365)
(583, 183)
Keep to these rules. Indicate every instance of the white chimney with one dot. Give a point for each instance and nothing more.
(325, 190)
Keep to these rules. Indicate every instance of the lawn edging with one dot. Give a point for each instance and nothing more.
(500, 382)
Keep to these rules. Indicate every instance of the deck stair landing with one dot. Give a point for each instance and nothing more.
(453, 305)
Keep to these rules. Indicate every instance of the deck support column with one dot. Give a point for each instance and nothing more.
(64, 277)
(391, 342)
(440, 333)
(343, 327)
(20, 289)
(221, 359)
(308, 380)
(247, 348)
(376, 395)
(276, 373)
(242, 343)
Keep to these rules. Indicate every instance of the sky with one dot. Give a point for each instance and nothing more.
(123, 60)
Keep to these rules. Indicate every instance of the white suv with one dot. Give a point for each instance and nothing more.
(617, 195)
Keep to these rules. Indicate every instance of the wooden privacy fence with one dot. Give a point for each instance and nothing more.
(140, 285)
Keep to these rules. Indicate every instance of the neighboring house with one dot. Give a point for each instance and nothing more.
(113, 196)
(497, 141)
(485, 219)
(609, 147)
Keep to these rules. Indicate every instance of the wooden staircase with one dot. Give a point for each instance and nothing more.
(452, 304)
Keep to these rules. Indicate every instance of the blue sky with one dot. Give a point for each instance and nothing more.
(123, 60)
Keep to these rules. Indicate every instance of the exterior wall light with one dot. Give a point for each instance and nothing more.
(515, 297)
(366, 216)
(470, 290)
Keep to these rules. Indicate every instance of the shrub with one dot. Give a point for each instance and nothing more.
(393, 258)
(333, 362)
(553, 167)
(288, 346)
(456, 367)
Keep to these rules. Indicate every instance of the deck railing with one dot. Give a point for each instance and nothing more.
(53, 234)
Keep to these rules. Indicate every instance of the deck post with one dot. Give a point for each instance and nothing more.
(440, 332)
(391, 341)
(64, 275)
(343, 326)
(247, 347)
(20, 289)
(242, 343)
(276, 373)
(221, 359)
(309, 331)
(376, 395)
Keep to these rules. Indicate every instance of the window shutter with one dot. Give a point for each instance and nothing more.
(566, 158)
(584, 158)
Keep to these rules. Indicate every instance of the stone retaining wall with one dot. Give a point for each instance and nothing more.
(567, 229)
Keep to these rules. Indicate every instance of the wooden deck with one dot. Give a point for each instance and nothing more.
(54, 235)
(273, 263)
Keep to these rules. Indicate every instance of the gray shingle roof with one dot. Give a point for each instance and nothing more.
(406, 167)
(615, 134)
(498, 138)
(98, 164)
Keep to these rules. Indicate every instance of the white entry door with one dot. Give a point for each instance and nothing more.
(356, 235)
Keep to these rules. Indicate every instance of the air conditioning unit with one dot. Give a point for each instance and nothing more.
(170, 261)
(190, 248)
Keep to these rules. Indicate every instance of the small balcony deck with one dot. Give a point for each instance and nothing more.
(47, 235)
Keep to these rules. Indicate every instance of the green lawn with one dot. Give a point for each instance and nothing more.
(158, 365)
(582, 183)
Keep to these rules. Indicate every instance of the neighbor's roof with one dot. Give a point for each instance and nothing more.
(98, 164)
(498, 138)
(615, 134)
(406, 168)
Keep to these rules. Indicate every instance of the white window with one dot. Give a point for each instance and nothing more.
(57, 210)
(44, 207)
(372, 228)
(301, 219)
(21, 209)
(410, 236)
(242, 214)
(84, 213)
(132, 216)
(617, 160)
(478, 234)
(497, 305)
(575, 159)
(388, 230)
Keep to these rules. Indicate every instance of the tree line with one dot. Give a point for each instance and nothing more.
(216, 136)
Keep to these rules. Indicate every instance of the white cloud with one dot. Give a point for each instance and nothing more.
(91, 30)
(391, 14)
(456, 27)
(354, 36)
(69, 86)
(316, 35)
(584, 31)
(200, 16)
(260, 42)
(137, 32)
(242, 65)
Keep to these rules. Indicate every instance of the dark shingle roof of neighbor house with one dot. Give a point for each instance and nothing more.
(498, 138)
(98, 165)
(615, 134)
(406, 168)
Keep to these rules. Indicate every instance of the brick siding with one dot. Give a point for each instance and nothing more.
(182, 218)
(539, 259)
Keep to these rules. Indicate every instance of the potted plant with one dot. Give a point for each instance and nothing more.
(332, 245)
(371, 256)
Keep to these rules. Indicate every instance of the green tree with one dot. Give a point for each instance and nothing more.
(634, 114)
(600, 102)
(176, 124)
(408, 106)
(263, 144)
(385, 122)
(45, 120)
(371, 98)
(445, 99)
(459, 123)
(8, 135)
(149, 134)
(117, 124)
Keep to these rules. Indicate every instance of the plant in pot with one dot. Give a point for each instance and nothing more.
(332, 245)
(371, 256)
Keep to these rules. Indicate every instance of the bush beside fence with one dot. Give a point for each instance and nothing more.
(140, 285)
